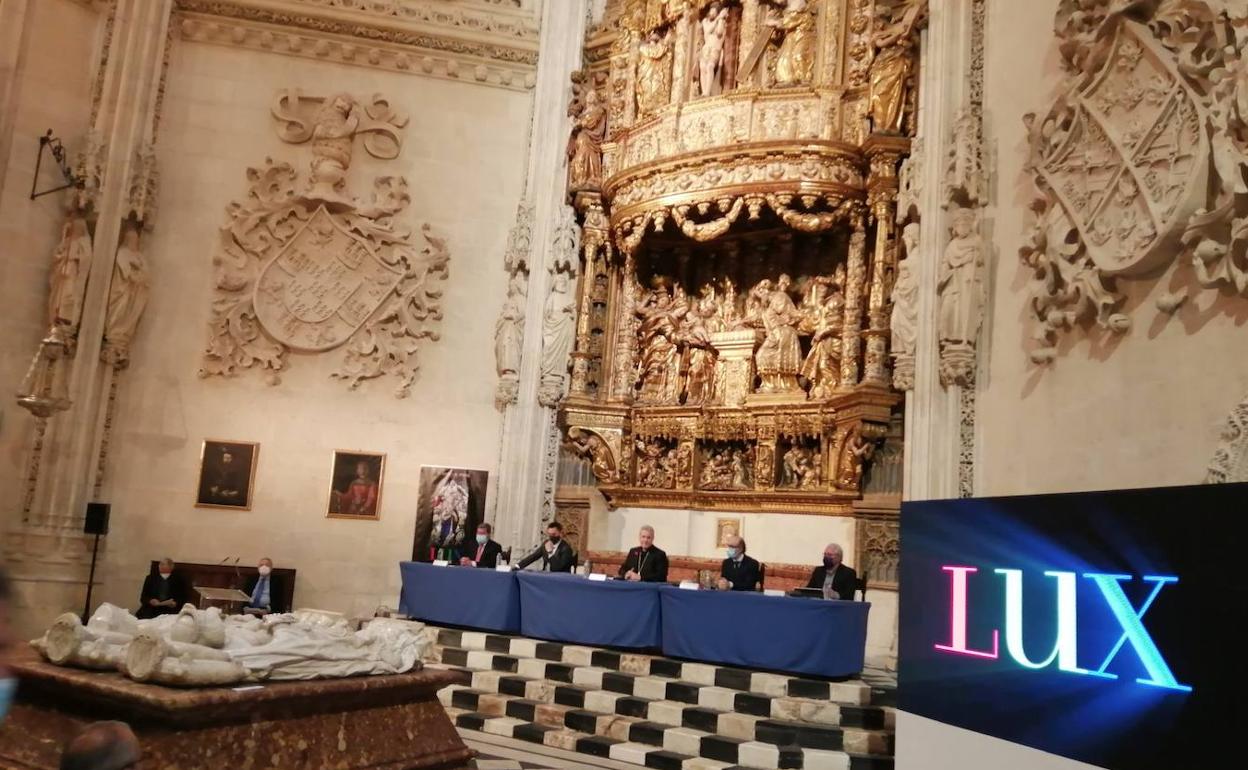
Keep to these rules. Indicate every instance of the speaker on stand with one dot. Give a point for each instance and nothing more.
(96, 524)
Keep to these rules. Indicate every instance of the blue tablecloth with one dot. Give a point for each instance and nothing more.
(569, 608)
(806, 636)
(460, 596)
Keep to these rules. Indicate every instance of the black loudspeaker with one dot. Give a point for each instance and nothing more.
(97, 519)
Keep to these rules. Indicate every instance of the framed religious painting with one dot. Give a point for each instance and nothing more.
(450, 506)
(227, 474)
(355, 485)
(726, 528)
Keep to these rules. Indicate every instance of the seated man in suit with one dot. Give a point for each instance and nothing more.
(555, 553)
(164, 592)
(645, 563)
(739, 572)
(265, 590)
(483, 552)
(835, 579)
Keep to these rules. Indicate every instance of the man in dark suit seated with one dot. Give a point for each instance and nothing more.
(265, 590)
(835, 579)
(645, 563)
(483, 552)
(555, 553)
(739, 572)
(164, 592)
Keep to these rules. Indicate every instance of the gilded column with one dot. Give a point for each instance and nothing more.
(855, 284)
(884, 153)
(622, 351)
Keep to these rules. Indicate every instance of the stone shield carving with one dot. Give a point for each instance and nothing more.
(1125, 156)
(322, 286)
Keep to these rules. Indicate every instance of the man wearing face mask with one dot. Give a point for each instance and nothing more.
(8, 682)
(483, 552)
(739, 572)
(163, 593)
(555, 553)
(835, 579)
(265, 590)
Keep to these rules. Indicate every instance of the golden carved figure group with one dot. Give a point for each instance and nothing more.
(677, 338)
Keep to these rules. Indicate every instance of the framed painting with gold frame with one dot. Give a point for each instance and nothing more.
(355, 485)
(725, 528)
(227, 474)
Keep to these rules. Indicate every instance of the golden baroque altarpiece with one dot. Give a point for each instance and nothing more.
(733, 165)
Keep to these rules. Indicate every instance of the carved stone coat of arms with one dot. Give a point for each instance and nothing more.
(308, 267)
(1140, 162)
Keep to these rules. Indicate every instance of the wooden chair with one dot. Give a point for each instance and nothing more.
(861, 586)
(505, 556)
(762, 576)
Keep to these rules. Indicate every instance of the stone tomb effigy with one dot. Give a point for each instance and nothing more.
(387, 722)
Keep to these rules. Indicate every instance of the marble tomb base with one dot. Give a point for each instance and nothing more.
(380, 722)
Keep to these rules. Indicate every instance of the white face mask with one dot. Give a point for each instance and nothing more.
(265, 570)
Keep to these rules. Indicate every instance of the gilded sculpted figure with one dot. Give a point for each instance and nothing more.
(127, 293)
(654, 73)
(585, 146)
(333, 134)
(854, 453)
(961, 286)
(824, 315)
(780, 356)
(590, 445)
(711, 56)
(658, 371)
(892, 68)
(699, 353)
(795, 61)
(69, 264)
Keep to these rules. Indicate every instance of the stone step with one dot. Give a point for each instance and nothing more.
(545, 680)
(651, 745)
(697, 732)
(501, 649)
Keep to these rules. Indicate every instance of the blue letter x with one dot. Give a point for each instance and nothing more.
(1159, 674)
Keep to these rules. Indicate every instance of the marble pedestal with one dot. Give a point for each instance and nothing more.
(382, 722)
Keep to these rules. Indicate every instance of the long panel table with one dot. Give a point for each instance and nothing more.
(741, 628)
(571, 608)
(806, 636)
(460, 596)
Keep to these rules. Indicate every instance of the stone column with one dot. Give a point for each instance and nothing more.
(47, 551)
(524, 497)
(940, 420)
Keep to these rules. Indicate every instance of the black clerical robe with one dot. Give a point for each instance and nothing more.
(650, 564)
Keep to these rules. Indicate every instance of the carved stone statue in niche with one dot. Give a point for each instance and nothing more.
(656, 463)
(822, 317)
(699, 352)
(779, 358)
(658, 370)
(590, 445)
(127, 293)
(654, 73)
(68, 280)
(558, 333)
(509, 328)
(589, 129)
(961, 297)
(795, 59)
(893, 66)
(711, 55)
(905, 318)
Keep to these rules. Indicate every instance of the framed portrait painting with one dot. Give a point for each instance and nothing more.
(355, 485)
(450, 506)
(227, 474)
